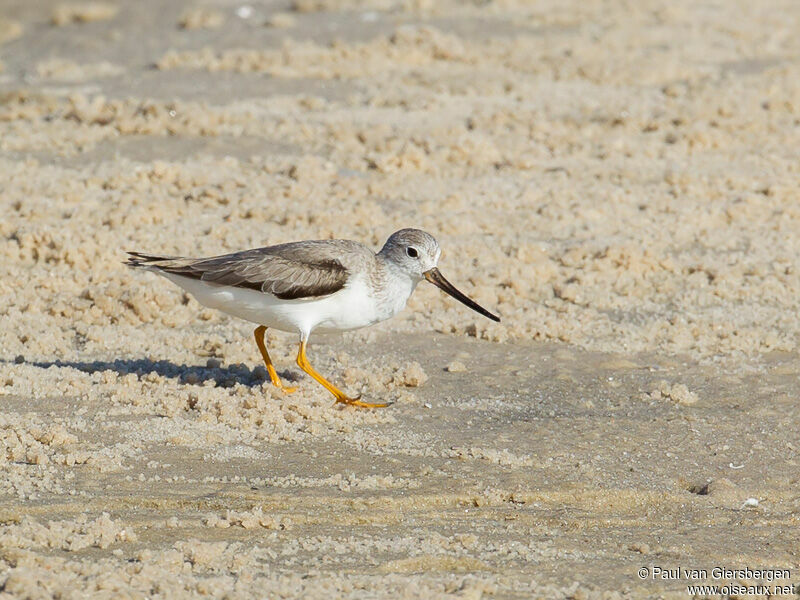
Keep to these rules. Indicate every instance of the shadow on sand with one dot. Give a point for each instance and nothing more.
(222, 376)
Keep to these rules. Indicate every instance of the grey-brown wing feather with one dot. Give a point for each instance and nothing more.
(287, 271)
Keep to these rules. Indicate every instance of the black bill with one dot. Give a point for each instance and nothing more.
(437, 279)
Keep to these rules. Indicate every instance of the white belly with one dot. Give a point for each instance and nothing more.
(350, 308)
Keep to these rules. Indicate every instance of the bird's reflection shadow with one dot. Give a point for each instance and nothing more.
(221, 376)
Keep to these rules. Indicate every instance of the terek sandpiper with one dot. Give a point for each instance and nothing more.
(316, 285)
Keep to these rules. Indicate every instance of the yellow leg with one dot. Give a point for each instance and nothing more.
(273, 374)
(302, 362)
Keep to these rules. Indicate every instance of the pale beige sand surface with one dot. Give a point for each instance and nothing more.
(617, 180)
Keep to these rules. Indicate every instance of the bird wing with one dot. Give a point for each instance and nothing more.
(287, 271)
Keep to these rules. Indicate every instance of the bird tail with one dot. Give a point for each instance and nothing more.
(141, 260)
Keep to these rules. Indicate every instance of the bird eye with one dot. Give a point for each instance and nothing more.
(412, 252)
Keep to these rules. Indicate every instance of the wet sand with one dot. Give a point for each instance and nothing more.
(617, 181)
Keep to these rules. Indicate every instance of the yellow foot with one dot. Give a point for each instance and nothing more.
(341, 397)
(358, 402)
(286, 390)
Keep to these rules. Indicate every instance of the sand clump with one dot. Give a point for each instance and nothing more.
(677, 393)
(411, 46)
(82, 12)
(201, 17)
(65, 70)
(9, 30)
(248, 520)
(281, 21)
(70, 535)
(456, 366)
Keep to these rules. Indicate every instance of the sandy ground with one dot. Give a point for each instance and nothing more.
(617, 179)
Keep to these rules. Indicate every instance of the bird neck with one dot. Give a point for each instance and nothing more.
(395, 286)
